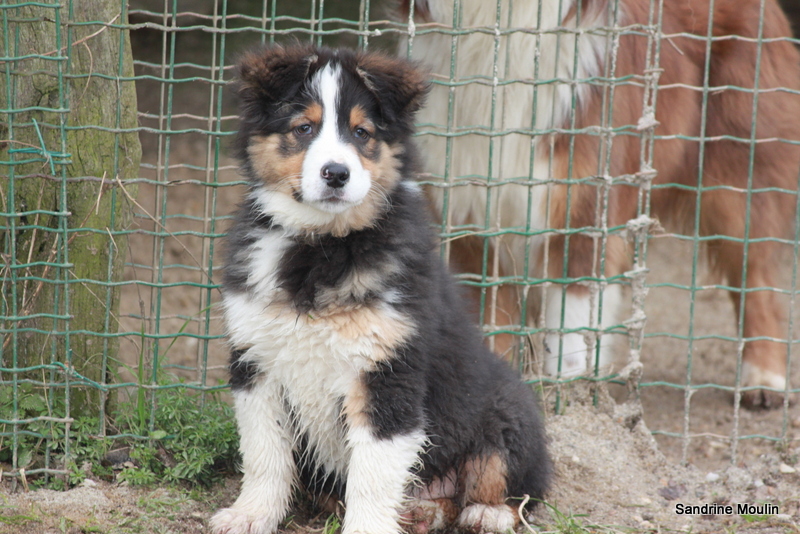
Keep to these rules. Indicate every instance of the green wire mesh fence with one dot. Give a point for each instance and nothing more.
(114, 209)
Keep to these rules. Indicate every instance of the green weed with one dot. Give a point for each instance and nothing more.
(332, 525)
(193, 439)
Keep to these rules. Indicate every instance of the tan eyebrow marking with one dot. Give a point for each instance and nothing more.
(358, 117)
(313, 113)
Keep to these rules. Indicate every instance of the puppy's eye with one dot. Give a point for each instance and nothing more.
(361, 133)
(304, 129)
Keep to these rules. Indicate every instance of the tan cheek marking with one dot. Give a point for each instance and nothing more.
(385, 171)
(485, 480)
(280, 172)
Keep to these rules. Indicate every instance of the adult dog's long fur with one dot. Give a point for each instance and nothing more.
(702, 133)
(355, 371)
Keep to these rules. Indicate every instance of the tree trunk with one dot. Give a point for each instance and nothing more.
(64, 109)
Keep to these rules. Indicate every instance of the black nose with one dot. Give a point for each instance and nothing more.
(335, 174)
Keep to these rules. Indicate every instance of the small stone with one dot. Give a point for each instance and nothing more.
(712, 477)
(787, 469)
(116, 458)
(88, 483)
(672, 492)
(576, 460)
(645, 501)
(758, 483)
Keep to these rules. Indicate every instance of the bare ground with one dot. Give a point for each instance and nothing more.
(610, 477)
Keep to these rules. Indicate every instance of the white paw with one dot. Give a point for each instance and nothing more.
(235, 521)
(762, 398)
(498, 518)
(756, 376)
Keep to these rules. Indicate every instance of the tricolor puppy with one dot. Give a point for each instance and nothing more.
(354, 368)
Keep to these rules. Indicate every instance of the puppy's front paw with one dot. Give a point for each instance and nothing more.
(236, 521)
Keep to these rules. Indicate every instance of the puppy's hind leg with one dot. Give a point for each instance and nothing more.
(485, 492)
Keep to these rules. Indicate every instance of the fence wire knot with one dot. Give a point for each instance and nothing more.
(639, 227)
(647, 120)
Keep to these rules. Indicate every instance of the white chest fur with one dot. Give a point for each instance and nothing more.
(315, 359)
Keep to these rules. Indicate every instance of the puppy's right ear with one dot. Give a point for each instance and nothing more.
(268, 75)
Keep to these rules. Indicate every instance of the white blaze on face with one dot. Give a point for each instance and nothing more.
(330, 148)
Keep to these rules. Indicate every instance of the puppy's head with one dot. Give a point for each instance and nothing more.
(324, 133)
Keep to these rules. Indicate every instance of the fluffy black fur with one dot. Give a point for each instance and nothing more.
(443, 379)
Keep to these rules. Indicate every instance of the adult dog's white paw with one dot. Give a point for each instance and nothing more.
(235, 521)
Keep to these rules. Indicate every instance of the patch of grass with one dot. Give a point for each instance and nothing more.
(193, 438)
(192, 441)
(332, 525)
(189, 437)
(30, 403)
(18, 519)
(751, 518)
(571, 523)
(163, 503)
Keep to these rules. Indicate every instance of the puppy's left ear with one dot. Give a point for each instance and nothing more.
(399, 85)
(268, 75)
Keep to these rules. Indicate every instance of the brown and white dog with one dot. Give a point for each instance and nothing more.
(516, 92)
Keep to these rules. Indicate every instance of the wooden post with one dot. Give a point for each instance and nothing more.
(66, 100)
